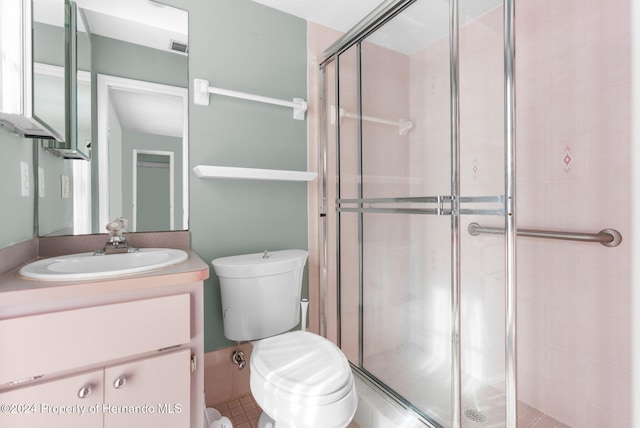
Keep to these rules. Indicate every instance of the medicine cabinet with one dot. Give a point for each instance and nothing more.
(76, 80)
(38, 72)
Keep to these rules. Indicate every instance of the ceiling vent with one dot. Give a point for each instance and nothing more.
(178, 46)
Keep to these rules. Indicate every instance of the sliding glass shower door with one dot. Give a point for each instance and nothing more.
(414, 103)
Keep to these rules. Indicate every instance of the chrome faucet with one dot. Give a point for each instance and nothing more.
(117, 243)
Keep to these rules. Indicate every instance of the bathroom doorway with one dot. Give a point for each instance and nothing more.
(153, 190)
(147, 117)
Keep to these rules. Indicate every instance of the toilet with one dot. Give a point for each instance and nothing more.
(299, 379)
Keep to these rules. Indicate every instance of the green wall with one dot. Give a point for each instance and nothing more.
(48, 42)
(122, 59)
(17, 213)
(55, 212)
(244, 46)
(152, 200)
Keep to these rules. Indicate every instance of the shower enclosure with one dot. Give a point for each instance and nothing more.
(418, 133)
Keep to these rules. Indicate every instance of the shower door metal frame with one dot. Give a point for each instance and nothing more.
(368, 25)
(454, 100)
(511, 371)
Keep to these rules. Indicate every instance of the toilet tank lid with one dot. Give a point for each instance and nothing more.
(254, 265)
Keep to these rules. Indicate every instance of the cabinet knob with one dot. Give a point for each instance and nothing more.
(120, 382)
(85, 391)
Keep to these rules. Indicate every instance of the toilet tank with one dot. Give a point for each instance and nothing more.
(260, 295)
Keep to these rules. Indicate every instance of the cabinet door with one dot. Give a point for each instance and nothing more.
(71, 402)
(153, 392)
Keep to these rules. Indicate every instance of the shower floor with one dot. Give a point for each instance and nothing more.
(427, 386)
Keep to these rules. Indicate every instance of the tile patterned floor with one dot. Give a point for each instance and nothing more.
(529, 417)
(244, 412)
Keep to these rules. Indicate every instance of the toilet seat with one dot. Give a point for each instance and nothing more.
(300, 378)
(302, 367)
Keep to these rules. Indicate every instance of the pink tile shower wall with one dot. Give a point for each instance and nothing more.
(431, 171)
(573, 150)
(573, 82)
(385, 95)
(482, 174)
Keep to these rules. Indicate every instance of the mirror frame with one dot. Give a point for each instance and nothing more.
(107, 83)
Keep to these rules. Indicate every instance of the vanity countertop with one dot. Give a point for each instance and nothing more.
(17, 292)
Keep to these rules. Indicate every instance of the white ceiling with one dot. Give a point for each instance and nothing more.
(419, 25)
(142, 22)
(147, 113)
(337, 14)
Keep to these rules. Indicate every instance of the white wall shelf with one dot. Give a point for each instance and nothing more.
(227, 172)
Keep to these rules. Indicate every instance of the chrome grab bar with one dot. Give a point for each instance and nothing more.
(607, 237)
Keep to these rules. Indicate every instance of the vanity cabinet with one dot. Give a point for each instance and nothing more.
(151, 391)
(126, 350)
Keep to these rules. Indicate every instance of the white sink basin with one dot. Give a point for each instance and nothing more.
(85, 266)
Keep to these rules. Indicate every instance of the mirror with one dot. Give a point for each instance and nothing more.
(31, 31)
(53, 75)
(49, 62)
(136, 116)
(132, 82)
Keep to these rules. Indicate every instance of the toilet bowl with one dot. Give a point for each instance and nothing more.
(303, 379)
(299, 379)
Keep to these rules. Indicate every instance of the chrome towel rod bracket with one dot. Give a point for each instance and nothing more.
(607, 237)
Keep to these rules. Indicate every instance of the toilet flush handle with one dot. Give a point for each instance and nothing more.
(238, 358)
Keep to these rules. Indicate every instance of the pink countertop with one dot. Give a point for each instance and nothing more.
(19, 295)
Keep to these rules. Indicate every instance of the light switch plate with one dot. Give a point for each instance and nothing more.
(41, 182)
(24, 178)
(64, 186)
